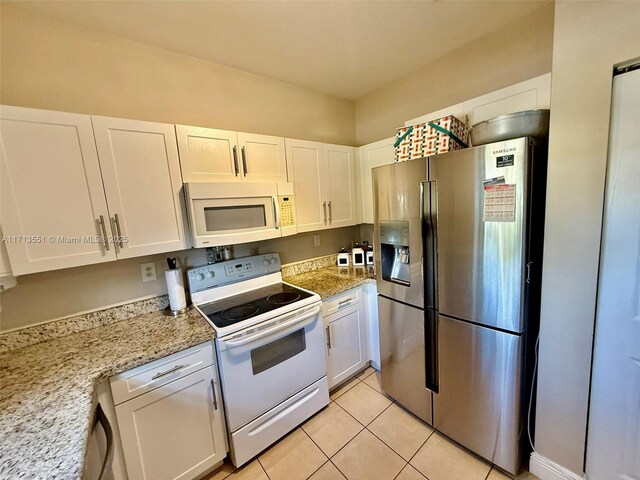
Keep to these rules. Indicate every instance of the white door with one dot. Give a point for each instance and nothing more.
(346, 344)
(373, 155)
(341, 204)
(52, 196)
(175, 431)
(142, 181)
(263, 158)
(208, 155)
(613, 445)
(307, 167)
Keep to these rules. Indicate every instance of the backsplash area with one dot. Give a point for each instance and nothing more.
(47, 296)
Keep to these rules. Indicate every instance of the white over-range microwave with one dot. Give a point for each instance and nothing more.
(231, 213)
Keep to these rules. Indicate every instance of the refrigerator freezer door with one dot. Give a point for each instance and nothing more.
(398, 230)
(480, 250)
(402, 356)
(480, 371)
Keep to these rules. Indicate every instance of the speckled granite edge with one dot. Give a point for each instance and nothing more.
(309, 265)
(66, 326)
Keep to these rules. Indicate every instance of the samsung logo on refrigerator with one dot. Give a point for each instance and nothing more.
(505, 150)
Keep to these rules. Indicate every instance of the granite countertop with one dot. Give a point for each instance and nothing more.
(47, 390)
(332, 280)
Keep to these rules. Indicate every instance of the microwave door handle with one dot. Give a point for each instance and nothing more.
(235, 160)
(276, 211)
(267, 332)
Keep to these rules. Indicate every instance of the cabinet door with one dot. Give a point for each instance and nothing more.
(51, 191)
(342, 186)
(307, 167)
(262, 158)
(373, 155)
(347, 344)
(141, 173)
(208, 155)
(175, 431)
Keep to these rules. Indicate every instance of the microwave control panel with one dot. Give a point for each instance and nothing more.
(287, 217)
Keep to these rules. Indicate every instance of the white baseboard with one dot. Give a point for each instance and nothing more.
(546, 469)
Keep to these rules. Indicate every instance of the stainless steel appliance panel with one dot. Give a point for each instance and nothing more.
(402, 356)
(481, 264)
(398, 230)
(480, 374)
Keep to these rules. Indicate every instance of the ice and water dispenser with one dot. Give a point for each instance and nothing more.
(395, 252)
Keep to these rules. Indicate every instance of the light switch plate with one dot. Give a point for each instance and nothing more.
(148, 271)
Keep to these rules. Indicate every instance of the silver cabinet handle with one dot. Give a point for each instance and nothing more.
(328, 337)
(346, 300)
(119, 231)
(213, 392)
(330, 214)
(235, 160)
(528, 280)
(105, 240)
(168, 372)
(244, 161)
(324, 208)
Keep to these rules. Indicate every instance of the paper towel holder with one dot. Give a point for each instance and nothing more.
(176, 313)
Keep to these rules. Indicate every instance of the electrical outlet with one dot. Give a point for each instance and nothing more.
(148, 271)
(316, 240)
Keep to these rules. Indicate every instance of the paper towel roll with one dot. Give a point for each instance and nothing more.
(175, 289)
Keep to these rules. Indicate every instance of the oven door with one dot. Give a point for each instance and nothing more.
(222, 214)
(277, 359)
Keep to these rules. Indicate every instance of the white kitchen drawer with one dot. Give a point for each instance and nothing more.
(342, 301)
(139, 380)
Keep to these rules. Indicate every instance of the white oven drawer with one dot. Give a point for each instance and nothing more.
(266, 429)
(260, 370)
(139, 380)
(342, 301)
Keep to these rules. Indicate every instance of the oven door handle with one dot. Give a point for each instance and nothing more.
(267, 332)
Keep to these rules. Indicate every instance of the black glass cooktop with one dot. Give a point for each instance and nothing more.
(237, 308)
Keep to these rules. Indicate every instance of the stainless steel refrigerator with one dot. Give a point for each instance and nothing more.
(458, 276)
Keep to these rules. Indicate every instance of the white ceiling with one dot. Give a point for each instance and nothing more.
(344, 48)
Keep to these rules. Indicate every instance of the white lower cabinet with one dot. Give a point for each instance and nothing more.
(346, 333)
(174, 431)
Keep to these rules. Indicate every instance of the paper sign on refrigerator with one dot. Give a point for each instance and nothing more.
(499, 203)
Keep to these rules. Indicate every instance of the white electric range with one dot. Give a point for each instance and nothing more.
(270, 348)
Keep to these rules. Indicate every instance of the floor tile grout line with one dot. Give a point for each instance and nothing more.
(393, 449)
(319, 448)
(341, 472)
(262, 467)
(343, 384)
(421, 446)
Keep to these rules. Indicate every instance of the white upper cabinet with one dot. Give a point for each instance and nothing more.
(53, 204)
(306, 163)
(142, 182)
(209, 155)
(342, 181)
(323, 179)
(373, 155)
(262, 158)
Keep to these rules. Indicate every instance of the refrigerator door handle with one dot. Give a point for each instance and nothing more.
(429, 205)
(431, 349)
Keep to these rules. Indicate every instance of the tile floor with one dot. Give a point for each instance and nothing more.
(363, 435)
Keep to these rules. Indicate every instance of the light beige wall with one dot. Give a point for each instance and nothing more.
(58, 66)
(48, 295)
(516, 53)
(590, 38)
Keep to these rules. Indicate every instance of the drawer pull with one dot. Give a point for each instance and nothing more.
(346, 300)
(328, 337)
(213, 392)
(168, 372)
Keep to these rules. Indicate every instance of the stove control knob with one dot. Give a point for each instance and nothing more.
(273, 260)
(265, 262)
(211, 274)
(201, 276)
